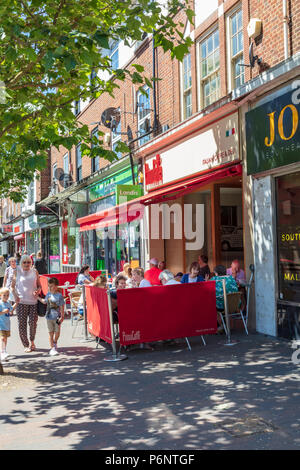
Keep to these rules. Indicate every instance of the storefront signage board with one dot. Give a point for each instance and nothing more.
(273, 133)
(215, 146)
(107, 186)
(127, 192)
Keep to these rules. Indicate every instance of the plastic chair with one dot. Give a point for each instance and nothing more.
(74, 299)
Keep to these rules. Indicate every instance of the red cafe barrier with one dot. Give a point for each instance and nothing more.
(158, 313)
(98, 313)
(62, 279)
(155, 313)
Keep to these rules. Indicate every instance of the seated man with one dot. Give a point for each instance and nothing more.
(236, 272)
(152, 274)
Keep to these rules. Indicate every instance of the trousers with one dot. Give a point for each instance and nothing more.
(27, 314)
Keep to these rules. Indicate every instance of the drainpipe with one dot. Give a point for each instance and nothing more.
(285, 29)
(154, 82)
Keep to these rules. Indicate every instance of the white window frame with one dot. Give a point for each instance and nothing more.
(201, 80)
(185, 92)
(142, 120)
(230, 57)
(116, 137)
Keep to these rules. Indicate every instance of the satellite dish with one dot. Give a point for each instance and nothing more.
(59, 175)
(110, 118)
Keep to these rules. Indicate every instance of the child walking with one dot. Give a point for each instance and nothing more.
(55, 313)
(6, 310)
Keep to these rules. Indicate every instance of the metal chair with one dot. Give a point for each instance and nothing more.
(234, 310)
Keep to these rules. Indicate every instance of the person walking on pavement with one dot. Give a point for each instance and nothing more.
(26, 288)
(9, 274)
(3, 267)
(40, 263)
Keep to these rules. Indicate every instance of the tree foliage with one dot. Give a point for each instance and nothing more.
(47, 52)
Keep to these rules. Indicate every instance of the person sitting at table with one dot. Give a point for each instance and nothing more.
(204, 268)
(120, 283)
(167, 278)
(178, 276)
(152, 274)
(138, 278)
(84, 276)
(100, 281)
(236, 272)
(193, 274)
(230, 286)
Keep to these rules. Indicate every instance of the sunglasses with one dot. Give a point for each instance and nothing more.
(26, 262)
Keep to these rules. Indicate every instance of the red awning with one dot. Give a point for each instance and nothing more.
(20, 237)
(134, 209)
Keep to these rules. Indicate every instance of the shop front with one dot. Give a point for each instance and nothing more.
(273, 163)
(111, 240)
(32, 232)
(193, 179)
(19, 236)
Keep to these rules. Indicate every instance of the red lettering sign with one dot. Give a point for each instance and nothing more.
(154, 175)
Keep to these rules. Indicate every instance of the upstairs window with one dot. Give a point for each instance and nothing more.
(209, 64)
(78, 163)
(95, 160)
(236, 48)
(114, 55)
(115, 138)
(144, 114)
(186, 86)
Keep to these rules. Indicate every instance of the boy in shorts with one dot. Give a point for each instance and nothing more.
(6, 310)
(55, 313)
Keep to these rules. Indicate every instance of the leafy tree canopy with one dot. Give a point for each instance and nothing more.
(47, 52)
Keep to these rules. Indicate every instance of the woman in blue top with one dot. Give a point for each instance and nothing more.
(84, 276)
(193, 275)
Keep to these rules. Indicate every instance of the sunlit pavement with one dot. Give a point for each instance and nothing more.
(213, 397)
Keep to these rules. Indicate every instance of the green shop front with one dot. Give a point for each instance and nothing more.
(273, 164)
(110, 240)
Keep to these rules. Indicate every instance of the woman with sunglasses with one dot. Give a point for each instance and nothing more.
(26, 288)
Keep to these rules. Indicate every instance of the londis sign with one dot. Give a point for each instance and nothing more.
(273, 132)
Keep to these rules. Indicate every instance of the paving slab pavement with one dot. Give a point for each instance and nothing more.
(213, 397)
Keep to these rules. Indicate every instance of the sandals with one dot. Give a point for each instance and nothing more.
(30, 348)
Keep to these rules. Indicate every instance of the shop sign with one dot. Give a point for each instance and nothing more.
(64, 227)
(215, 146)
(154, 175)
(7, 228)
(18, 227)
(272, 132)
(127, 192)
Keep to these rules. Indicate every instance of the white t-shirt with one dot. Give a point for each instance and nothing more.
(145, 283)
(171, 282)
(25, 286)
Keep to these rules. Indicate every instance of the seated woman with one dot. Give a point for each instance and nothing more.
(167, 278)
(204, 268)
(120, 283)
(84, 276)
(193, 275)
(138, 278)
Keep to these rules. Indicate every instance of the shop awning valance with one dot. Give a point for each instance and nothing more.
(134, 209)
(20, 237)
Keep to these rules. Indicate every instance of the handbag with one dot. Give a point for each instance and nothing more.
(41, 309)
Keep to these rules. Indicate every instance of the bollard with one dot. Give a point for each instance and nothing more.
(116, 357)
(228, 342)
